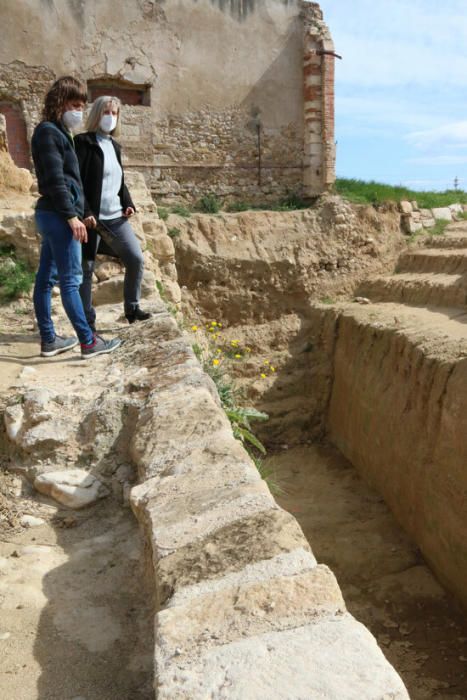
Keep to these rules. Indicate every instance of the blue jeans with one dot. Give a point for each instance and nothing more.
(60, 259)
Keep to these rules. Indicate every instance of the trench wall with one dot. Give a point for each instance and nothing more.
(398, 412)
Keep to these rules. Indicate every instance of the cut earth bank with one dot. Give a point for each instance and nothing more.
(243, 610)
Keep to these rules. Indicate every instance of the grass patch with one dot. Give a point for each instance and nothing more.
(438, 229)
(163, 213)
(181, 210)
(16, 278)
(173, 232)
(209, 204)
(375, 193)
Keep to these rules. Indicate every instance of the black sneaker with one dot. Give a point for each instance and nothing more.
(137, 315)
(99, 347)
(59, 344)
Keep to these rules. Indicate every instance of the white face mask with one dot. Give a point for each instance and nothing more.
(72, 119)
(108, 123)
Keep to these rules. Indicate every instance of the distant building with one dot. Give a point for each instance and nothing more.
(233, 97)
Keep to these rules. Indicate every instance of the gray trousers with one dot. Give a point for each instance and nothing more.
(125, 244)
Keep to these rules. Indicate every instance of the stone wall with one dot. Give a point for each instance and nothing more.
(225, 108)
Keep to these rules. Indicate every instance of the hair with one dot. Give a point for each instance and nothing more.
(97, 110)
(62, 91)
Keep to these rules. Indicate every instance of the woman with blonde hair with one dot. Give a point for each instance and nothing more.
(107, 207)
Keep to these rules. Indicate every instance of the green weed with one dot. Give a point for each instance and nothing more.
(209, 204)
(16, 278)
(362, 192)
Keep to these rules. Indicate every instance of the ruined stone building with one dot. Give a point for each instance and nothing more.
(233, 97)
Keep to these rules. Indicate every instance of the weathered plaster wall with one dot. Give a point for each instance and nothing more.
(216, 72)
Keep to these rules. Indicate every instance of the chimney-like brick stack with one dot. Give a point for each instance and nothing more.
(318, 84)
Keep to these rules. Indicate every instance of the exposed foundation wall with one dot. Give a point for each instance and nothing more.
(238, 99)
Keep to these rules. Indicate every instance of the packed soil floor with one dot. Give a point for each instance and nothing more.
(76, 619)
(384, 580)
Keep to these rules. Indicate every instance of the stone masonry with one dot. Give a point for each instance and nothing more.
(234, 99)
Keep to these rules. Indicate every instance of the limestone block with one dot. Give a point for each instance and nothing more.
(249, 609)
(456, 208)
(442, 213)
(172, 291)
(163, 247)
(426, 213)
(111, 291)
(107, 269)
(3, 134)
(154, 227)
(74, 488)
(246, 539)
(428, 223)
(333, 658)
(405, 207)
(413, 226)
(414, 205)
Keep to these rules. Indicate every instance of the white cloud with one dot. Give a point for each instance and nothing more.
(450, 136)
(416, 42)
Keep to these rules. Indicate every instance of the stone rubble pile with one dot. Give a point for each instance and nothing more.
(415, 218)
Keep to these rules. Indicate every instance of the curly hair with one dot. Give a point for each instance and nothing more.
(63, 90)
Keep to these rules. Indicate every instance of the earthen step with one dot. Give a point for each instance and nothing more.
(448, 240)
(442, 329)
(422, 289)
(448, 261)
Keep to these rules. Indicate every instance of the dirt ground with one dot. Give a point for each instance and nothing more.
(384, 580)
(75, 614)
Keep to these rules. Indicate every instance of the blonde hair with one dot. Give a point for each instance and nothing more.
(97, 110)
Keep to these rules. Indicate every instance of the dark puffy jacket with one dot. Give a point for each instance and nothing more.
(91, 163)
(57, 170)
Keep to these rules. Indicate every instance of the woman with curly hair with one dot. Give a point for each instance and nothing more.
(108, 207)
(58, 215)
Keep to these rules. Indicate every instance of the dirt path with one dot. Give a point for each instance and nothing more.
(75, 613)
(384, 580)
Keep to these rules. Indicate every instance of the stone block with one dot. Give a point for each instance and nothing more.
(405, 207)
(442, 214)
(333, 658)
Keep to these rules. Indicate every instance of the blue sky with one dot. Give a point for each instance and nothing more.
(401, 90)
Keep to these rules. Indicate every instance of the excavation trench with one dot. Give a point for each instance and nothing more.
(385, 582)
(400, 357)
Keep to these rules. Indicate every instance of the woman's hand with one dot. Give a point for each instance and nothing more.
(78, 230)
(90, 222)
(129, 211)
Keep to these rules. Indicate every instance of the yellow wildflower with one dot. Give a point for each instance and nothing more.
(266, 362)
(194, 328)
(219, 325)
(215, 362)
(238, 357)
(247, 349)
(213, 323)
(273, 369)
(263, 376)
(234, 343)
(211, 330)
(219, 351)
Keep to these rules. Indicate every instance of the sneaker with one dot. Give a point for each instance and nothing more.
(137, 315)
(59, 344)
(99, 347)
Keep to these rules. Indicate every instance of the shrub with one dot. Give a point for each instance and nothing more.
(16, 278)
(209, 204)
